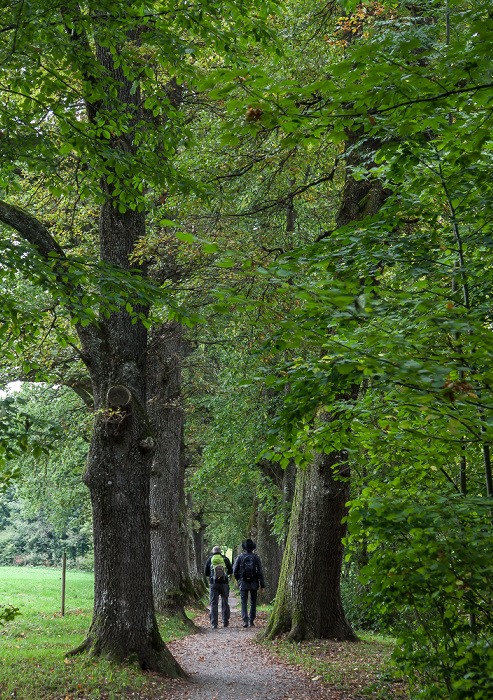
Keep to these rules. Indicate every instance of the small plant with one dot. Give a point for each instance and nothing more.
(8, 613)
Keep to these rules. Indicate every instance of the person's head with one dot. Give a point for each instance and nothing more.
(248, 545)
(216, 550)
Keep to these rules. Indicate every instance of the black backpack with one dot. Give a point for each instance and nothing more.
(249, 568)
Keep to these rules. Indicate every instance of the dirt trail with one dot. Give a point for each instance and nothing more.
(225, 664)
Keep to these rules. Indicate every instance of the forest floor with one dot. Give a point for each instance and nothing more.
(228, 663)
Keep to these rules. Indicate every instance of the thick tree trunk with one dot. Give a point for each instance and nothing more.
(166, 415)
(113, 347)
(308, 602)
(364, 197)
(198, 543)
(118, 468)
(172, 584)
(269, 548)
(196, 574)
(288, 489)
(270, 552)
(117, 474)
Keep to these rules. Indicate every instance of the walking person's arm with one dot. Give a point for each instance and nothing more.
(237, 567)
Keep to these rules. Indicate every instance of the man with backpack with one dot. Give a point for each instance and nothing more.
(217, 569)
(248, 572)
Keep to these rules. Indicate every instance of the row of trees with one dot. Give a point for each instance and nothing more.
(329, 294)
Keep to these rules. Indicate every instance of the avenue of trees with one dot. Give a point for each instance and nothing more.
(247, 290)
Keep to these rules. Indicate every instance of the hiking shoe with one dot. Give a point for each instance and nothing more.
(245, 624)
(225, 624)
(214, 627)
(252, 624)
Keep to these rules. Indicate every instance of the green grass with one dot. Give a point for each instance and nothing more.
(33, 647)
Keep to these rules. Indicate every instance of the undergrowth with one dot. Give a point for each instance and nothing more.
(362, 668)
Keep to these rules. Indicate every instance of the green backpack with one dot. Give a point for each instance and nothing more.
(219, 573)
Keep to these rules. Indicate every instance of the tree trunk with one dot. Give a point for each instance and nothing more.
(196, 574)
(364, 197)
(270, 552)
(171, 579)
(118, 467)
(269, 549)
(198, 529)
(308, 602)
(117, 474)
(288, 489)
(197, 549)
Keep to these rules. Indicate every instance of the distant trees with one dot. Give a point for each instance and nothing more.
(47, 511)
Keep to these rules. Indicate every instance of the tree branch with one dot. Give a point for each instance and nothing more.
(35, 233)
(30, 229)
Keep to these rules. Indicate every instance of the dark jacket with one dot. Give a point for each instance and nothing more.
(249, 585)
(207, 569)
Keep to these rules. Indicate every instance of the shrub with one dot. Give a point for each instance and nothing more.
(438, 573)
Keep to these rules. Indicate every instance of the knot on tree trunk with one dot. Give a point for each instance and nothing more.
(118, 395)
(146, 444)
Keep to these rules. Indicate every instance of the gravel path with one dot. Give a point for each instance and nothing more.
(225, 664)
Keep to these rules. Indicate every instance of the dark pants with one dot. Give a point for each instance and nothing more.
(244, 604)
(216, 590)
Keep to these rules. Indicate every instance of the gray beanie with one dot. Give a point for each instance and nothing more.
(216, 550)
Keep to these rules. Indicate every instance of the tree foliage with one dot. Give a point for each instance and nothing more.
(396, 302)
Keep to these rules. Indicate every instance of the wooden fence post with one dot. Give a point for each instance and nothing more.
(64, 568)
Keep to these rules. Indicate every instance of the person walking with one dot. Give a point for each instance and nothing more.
(217, 569)
(248, 572)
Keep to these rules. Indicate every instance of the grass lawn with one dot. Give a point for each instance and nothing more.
(32, 647)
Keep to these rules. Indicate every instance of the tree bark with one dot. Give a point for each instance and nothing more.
(117, 474)
(172, 584)
(269, 548)
(288, 489)
(308, 602)
(198, 542)
(196, 574)
(118, 467)
(363, 197)
(270, 552)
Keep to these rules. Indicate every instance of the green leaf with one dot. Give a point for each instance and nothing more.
(186, 237)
